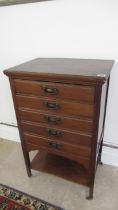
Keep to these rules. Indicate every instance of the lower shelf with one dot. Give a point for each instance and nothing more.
(61, 167)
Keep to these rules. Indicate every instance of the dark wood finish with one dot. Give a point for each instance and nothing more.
(104, 114)
(52, 90)
(85, 162)
(95, 139)
(67, 136)
(58, 121)
(60, 108)
(64, 70)
(50, 144)
(60, 166)
(25, 152)
(55, 106)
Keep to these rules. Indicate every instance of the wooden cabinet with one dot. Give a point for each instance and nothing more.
(60, 107)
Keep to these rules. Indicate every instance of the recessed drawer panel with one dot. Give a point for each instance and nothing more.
(53, 90)
(57, 134)
(46, 143)
(58, 121)
(58, 106)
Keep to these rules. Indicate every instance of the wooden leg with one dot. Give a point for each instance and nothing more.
(27, 163)
(100, 154)
(90, 196)
(100, 163)
(99, 158)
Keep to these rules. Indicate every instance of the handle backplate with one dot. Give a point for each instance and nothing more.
(54, 132)
(51, 105)
(50, 90)
(51, 119)
(54, 145)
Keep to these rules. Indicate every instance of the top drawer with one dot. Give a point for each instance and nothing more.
(54, 90)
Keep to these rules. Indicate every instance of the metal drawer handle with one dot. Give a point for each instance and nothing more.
(55, 133)
(56, 120)
(51, 105)
(54, 145)
(49, 90)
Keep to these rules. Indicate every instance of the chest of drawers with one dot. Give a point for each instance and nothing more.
(60, 107)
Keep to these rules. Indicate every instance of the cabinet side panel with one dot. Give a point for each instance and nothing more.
(102, 110)
(98, 91)
(25, 152)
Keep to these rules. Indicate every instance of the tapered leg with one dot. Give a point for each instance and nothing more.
(27, 162)
(100, 154)
(100, 163)
(90, 196)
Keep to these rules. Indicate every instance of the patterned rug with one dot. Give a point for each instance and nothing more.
(11, 199)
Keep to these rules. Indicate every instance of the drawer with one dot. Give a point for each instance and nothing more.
(58, 121)
(56, 106)
(66, 136)
(54, 90)
(51, 145)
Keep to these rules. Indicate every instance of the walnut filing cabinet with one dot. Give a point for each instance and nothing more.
(60, 107)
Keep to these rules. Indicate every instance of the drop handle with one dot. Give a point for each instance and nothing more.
(55, 120)
(50, 90)
(55, 133)
(51, 105)
(54, 145)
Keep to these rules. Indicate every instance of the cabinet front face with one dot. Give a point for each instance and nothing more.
(56, 117)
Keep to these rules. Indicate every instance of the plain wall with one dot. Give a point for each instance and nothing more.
(59, 28)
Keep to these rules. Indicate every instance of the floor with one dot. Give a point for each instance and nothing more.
(55, 190)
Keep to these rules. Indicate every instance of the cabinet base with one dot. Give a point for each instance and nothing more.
(61, 167)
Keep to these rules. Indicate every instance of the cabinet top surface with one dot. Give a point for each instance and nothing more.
(96, 70)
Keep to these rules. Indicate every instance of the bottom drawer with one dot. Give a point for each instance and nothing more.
(35, 142)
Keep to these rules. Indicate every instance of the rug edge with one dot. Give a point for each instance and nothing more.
(43, 201)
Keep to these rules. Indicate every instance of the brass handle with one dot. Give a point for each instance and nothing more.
(51, 105)
(55, 120)
(50, 90)
(54, 145)
(55, 133)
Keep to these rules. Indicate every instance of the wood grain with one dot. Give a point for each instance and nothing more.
(66, 70)
(73, 92)
(59, 121)
(43, 143)
(61, 167)
(67, 136)
(65, 107)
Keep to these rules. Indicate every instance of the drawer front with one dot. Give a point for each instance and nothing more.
(51, 145)
(57, 134)
(62, 107)
(58, 121)
(53, 90)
